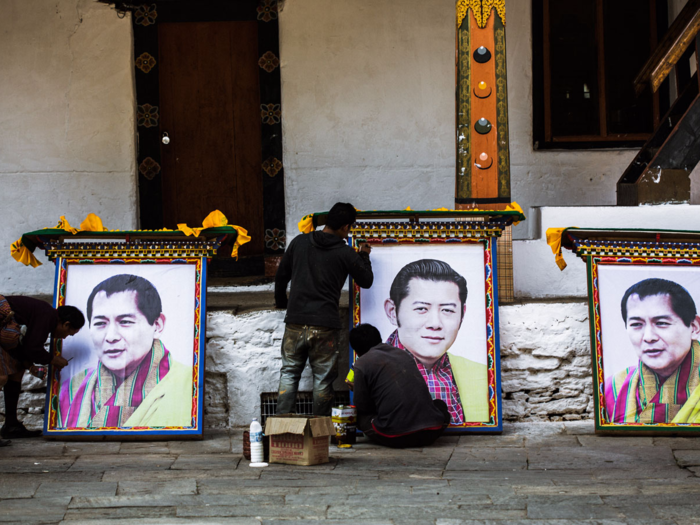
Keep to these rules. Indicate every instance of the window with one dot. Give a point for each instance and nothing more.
(586, 54)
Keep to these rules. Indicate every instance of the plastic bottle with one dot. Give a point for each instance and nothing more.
(257, 455)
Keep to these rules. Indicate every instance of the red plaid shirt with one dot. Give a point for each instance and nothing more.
(440, 381)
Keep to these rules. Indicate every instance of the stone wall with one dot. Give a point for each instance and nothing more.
(545, 362)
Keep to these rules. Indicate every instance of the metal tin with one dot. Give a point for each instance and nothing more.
(344, 419)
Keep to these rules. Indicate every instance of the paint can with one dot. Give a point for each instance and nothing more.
(344, 419)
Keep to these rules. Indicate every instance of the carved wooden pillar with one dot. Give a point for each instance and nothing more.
(483, 156)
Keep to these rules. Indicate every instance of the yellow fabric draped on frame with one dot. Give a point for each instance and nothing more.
(216, 219)
(554, 241)
(21, 253)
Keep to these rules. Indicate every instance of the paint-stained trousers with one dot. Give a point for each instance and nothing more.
(319, 345)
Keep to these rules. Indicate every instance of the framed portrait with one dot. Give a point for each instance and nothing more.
(435, 296)
(644, 334)
(137, 366)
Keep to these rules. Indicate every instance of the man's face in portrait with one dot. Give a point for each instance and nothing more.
(428, 318)
(120, 333)
(660, 338)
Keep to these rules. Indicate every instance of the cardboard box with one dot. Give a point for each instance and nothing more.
(299, 440)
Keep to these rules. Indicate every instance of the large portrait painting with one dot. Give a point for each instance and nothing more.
(437, 300)
(134, 368)
(645, 327)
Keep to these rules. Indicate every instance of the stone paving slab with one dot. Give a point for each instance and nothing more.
(106, 515)
(142, 488)
(124, 462)
(568, 510)
(37, 510)
(161, 500)
(86, 449)
(167, 475)
(687, 458)
(84, 488)
(488, 459)
(44, 464)
(151, 447)
(532, 474)
(616, 441)
(206, 462)
(408, 514)
(263, 511)
(678, 443)
(610, 457)
(33, 448)
(165, 521)
(18, 488)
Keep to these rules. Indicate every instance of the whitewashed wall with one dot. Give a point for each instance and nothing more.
(67, 141)
(368, 104)
(368, 112)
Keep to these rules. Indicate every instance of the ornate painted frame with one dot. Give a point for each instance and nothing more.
(678, 249)
(455, 233)
(104, 254)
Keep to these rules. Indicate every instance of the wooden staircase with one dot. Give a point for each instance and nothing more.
(660, 173)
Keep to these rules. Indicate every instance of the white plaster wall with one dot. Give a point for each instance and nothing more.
(67, 135)
(368, 112)
(535, 272)
(367, 104)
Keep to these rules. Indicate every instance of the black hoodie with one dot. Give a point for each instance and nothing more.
(318, 263)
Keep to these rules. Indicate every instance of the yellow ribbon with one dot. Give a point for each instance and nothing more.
(306, 224)
(217, 219)
(21, 253)
(92, 223)
(554, 241)
(63, 224)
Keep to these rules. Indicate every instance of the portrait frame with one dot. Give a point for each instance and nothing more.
(452, 235)
(63, 264)
(663, 254)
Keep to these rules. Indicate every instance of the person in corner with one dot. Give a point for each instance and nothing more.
(25, 325)
(394, 406)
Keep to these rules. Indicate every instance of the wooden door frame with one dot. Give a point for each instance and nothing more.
(145, 19)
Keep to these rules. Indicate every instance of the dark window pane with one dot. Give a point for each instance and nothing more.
(574, 67)
(627, 48)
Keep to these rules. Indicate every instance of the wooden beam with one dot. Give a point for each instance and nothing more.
(679, 36)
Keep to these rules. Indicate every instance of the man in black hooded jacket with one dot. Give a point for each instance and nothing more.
(317, 263)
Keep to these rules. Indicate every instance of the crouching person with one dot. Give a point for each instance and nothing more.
(394, 406)
(25, 325)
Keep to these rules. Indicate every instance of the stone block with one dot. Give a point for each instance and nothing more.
(17, 488)
(609, 458)
(142, 488)
(84, 488)
(488, 459)
(37, 510)
(569, 510)
(207, 462)
(263, 511)
(91, 448)
(10, 464)
(421, 512)
(687, 458)
(139, 462)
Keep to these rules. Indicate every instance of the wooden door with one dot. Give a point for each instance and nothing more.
(210, 109)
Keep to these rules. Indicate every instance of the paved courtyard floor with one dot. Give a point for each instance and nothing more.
(533, 473)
